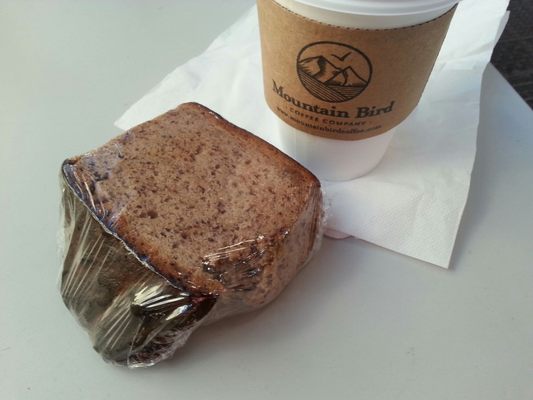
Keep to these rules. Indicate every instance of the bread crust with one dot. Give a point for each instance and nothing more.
(105, 202)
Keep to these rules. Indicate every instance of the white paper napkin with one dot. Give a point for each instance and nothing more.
(413, 201)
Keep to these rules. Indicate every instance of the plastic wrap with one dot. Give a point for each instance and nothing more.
(136, 312)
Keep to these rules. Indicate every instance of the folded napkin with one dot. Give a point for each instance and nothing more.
(413, 201)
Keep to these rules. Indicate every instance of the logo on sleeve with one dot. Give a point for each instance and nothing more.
(333, 72)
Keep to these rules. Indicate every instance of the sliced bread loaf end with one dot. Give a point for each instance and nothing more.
(216, 211)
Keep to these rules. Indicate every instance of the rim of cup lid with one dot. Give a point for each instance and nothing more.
(381, 7)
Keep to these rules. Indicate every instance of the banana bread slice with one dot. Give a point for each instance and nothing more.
(180, 221)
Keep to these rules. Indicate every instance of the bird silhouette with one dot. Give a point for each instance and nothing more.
(343, 57)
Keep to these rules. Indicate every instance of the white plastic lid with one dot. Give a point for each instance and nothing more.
(381, 7)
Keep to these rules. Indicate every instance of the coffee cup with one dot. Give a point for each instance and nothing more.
(340, 75)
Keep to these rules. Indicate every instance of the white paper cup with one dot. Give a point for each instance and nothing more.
(340, 160)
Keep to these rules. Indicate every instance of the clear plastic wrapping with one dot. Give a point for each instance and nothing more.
(137, 311)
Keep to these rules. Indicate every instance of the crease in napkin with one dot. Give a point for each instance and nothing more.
(412, 203)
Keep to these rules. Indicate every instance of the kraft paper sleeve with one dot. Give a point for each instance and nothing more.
(344, 83)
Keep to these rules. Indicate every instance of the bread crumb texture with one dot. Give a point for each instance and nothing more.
(206, 208)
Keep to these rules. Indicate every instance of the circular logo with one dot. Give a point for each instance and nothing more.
(333, 72)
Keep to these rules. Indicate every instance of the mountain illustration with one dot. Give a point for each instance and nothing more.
(346, 77)
(319, 68)
(328, 73)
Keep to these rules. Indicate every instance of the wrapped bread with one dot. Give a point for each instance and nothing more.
(180, 221)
